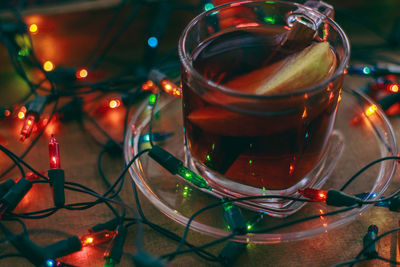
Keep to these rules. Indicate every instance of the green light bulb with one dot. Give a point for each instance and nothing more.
(23, 52)
(152, 99)
(366, 70)
(192, 177)
(110, 263)
(227, 205)
(208, 6)
(270, 20)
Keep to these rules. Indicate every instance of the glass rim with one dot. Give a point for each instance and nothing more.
(185, 58)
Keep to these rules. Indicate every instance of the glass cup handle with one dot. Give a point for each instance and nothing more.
(310, 19)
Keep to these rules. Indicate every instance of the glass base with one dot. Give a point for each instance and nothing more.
(224, 187)
(179, 200)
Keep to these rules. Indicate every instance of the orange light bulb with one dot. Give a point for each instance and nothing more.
(149, 85)
(92, 239)
(171, 88)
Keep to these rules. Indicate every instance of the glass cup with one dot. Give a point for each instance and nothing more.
(258, 115)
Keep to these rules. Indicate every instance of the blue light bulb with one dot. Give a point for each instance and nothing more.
(152, 42)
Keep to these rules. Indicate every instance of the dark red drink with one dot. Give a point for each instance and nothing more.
(270, 140)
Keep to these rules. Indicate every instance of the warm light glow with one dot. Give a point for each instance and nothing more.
(170, 88)
(54, 153)
(371, 110)
(250, 24)
(394, 88)
(331, 96)
(134, 131)
(291, 168)
(33, 28)
(27, 128)
(52, 126)
(149, 85)
(31, 176)
(31, 196)
(21, 115)
(238, 4)
(93, 239)
(313, 194)
(7, 113)
(114, 103)
(393, 110)
(48, 66)
(81, 74)
(304, 115)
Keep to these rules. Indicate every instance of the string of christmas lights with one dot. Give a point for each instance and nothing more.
(154, 80)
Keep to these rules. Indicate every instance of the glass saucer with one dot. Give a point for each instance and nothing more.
(367, 136)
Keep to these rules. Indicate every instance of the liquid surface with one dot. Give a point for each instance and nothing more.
(271, 152)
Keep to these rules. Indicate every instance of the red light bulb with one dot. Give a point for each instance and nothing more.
(28, 127)
(54, 153)
(114, 103)
(313, 194)
(393, 88)
(81, 74)
(149, 85)
(92, 239)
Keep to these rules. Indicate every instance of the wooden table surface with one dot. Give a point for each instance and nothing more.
(66, 39)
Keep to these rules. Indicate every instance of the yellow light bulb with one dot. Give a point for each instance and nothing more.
(48, 66)
(114, 103)
(371, 110)
(33, 28)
